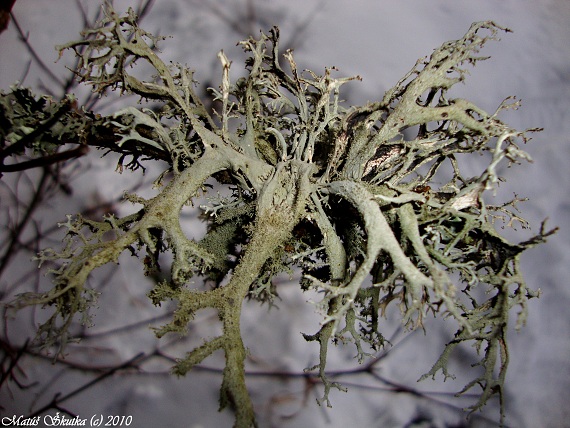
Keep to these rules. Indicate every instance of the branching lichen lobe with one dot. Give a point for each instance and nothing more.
(294, 160)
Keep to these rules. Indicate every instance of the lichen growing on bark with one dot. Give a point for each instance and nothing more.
(340, 194)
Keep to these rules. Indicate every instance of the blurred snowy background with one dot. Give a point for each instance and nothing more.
(380, 41)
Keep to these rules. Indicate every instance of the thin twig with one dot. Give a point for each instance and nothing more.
(24, 39)
(58, 399)
(18, 230)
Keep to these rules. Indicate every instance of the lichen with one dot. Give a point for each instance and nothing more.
(337, 193)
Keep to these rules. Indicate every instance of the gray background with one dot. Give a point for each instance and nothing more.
(379, 40)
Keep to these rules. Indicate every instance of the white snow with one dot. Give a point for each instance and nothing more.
(379, 40)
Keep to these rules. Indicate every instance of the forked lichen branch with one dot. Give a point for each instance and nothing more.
(335, 192)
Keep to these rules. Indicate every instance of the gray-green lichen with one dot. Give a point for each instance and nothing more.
(338, 193)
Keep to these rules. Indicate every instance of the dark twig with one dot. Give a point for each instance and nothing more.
(15, 235)
(25, 39)
(58, 399)
(46, 160)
